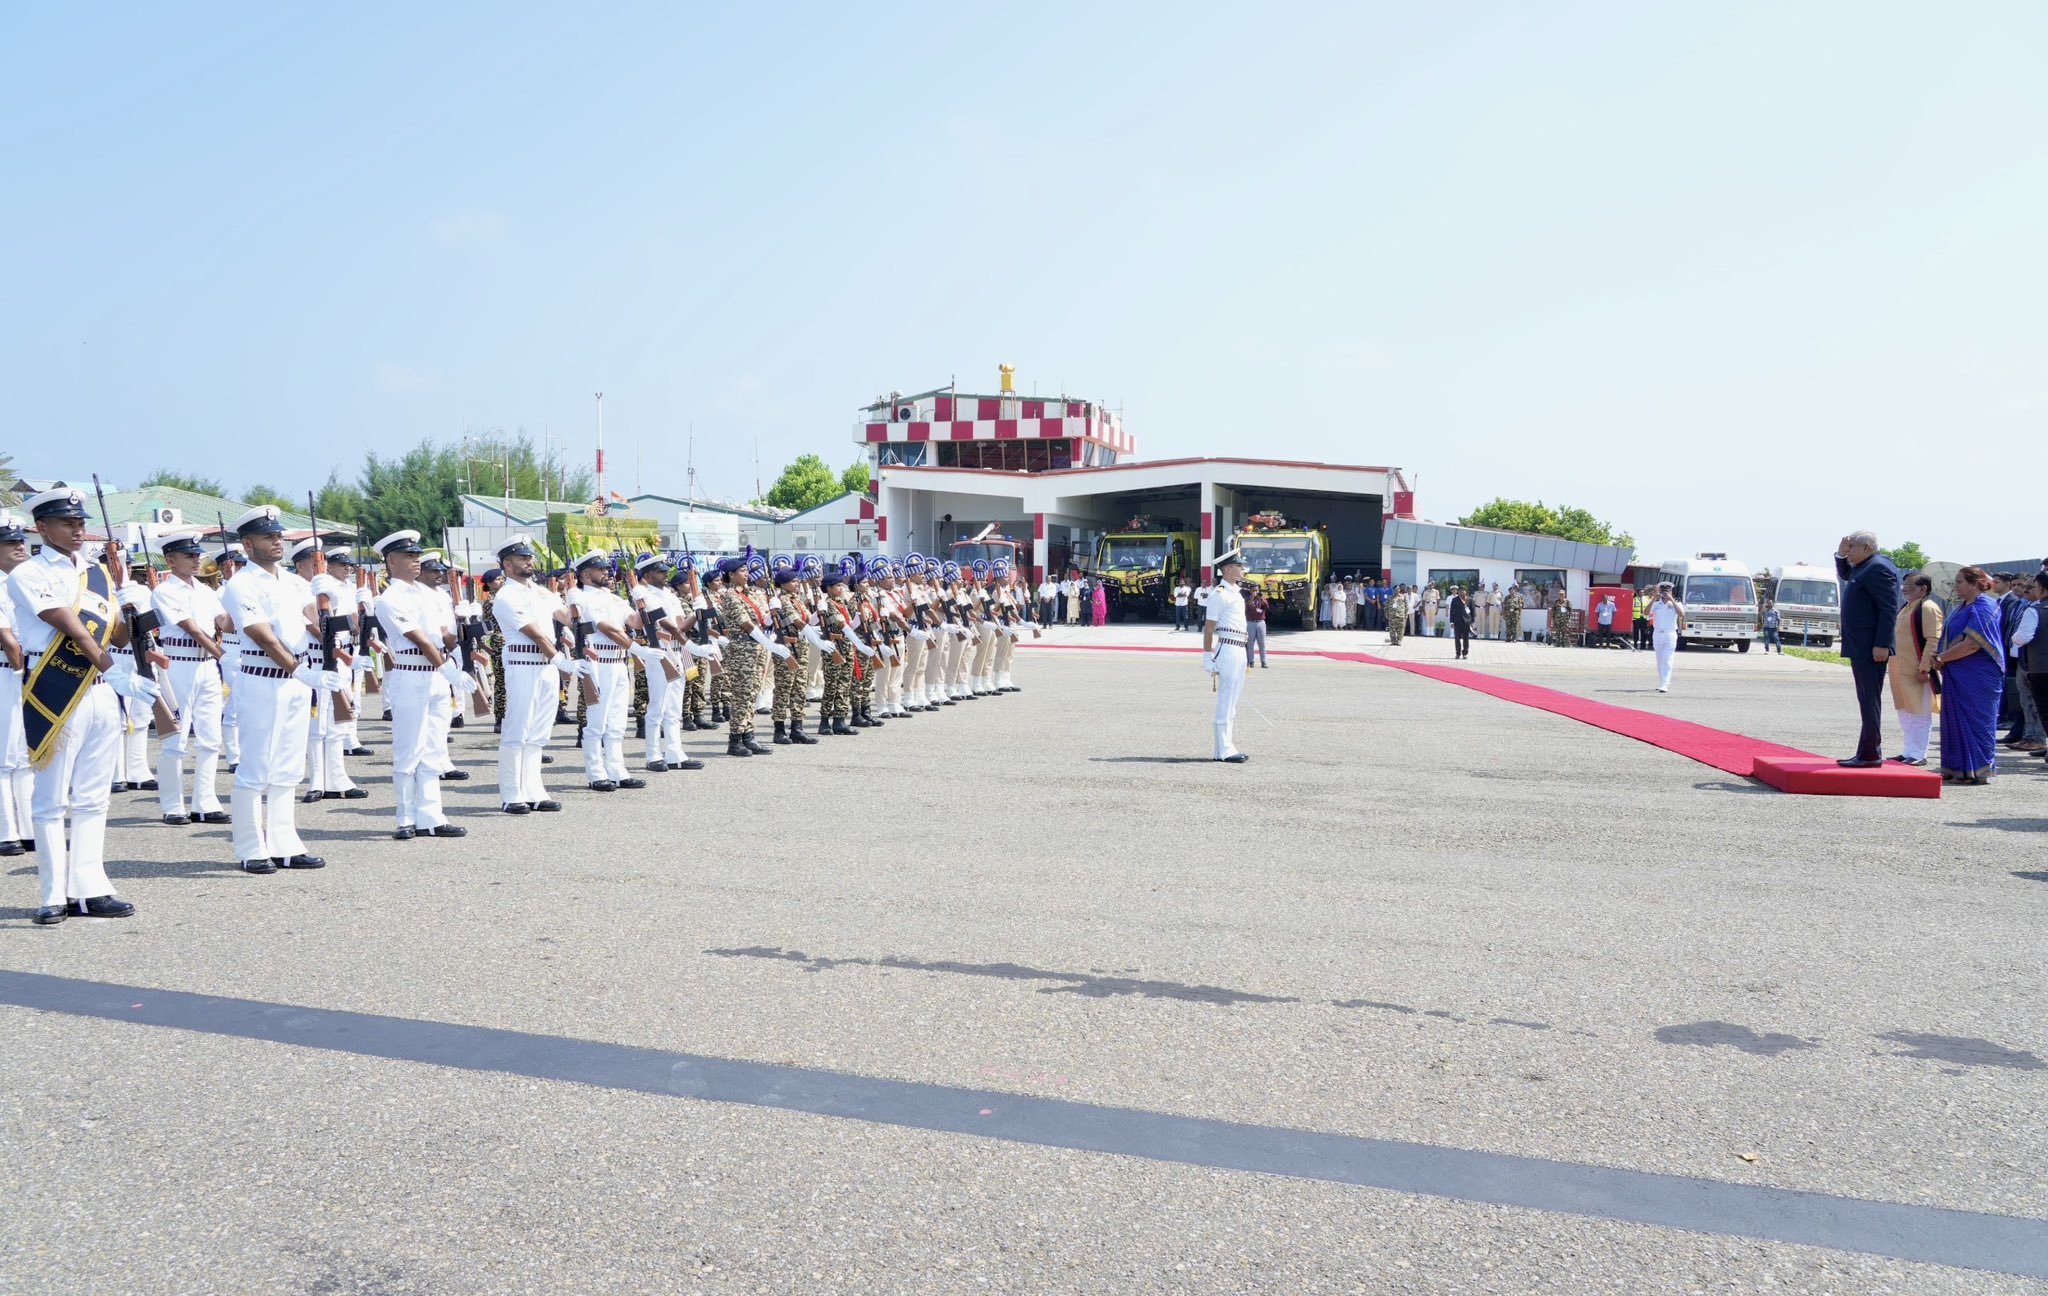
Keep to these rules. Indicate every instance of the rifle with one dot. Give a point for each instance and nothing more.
(471, 628)
(141, 625)
(581, 630)
(340, 705)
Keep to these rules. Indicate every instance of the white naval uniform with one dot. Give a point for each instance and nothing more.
(134, 763)
(419, 699)
(1226, 612)
(328, 739)
(532, 689)
(664, 720)
(231, 645)
(1664, 638)
(77, 781)
(17, 777)
(273, 712)
(195, 681)
(604, 725)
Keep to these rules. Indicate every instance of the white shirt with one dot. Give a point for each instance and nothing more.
(48, 581)
(1046, 589)
(178, 601)
(341, 602)
(401, 609)
(601, 606)
(2030, 619)
(256, 597)
(1226, 610)
(1202, 595)
(1067, 588)
(1180, 595)
(514, 608)
(1664, 618)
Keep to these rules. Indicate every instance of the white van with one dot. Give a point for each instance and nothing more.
(1719, 598)
(1809, 600)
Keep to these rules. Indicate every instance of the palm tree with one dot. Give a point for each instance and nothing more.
(8, 499)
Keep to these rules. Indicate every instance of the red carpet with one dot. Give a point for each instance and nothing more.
(1786, 768)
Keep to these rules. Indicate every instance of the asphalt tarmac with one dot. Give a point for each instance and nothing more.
(1436, 994)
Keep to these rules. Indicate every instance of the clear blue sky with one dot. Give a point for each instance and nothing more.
(1740, 276)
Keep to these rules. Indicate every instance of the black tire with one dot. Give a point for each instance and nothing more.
(1742, 646)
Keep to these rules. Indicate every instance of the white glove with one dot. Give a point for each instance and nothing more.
(450, 670)
(327, 681)
(812, 636)
(720, 641)
(704, 652)
(920, 634)
(566, 664)
(889, 651)
(129, 685)
(464, 684)
(648, 655)
(780, 650)
(1209, 663)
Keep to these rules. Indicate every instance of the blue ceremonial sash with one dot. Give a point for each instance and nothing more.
(63, 673)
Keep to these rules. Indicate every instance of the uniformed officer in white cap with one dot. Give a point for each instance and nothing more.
(608, 620)
(419, 690)
(17, 776)
(191, 616)
(326, 740)
(273, 698)
(232, 559)
(529, 616)
(1224, 636)
(66, 617)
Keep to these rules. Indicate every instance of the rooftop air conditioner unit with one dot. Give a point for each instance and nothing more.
(802, 541)
(905, 413)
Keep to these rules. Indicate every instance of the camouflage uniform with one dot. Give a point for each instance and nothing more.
(1560, 621)
(1397, 619)
(864, 669)
(494, 647)
(838, 703)
(1511, 615)
(789, 671)
(741, 661)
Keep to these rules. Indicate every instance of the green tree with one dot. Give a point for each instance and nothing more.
(338, 501)
(1539, 518)
(1908, 557)
(176, 480)
(493, 460)
(8, 498)
(855, 478)
(261, 494)
(805, 484)
(421, 490)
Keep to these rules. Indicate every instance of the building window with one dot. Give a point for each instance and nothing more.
(907, 454)
(1544, 582)
(1445, 577)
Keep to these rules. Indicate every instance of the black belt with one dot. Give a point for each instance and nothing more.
(266, 672)
(1227, 639)
(530, 649)
(408, 666)
(188, 657)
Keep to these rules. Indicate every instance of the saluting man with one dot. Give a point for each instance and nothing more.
(419, 690)
(273, 698)
(1224, 636)
(192, 619)
(527, 614)
(65, 615)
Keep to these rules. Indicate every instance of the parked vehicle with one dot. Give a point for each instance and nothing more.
(1720, 600)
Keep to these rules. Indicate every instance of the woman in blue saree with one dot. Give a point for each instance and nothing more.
(1972, 680)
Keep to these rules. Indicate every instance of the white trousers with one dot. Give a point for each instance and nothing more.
(672, 710)
(327, 742)
(1917, 729)
(658, 690)
(272, 716)
(17, 780)
(604, 725)
(1230, 664)
(420, 712)
(76, 785)
(197, 687)
(134, 764)
(230, 729)
(530, 699)
(935, 666)
(1666, 644)
(913, 669)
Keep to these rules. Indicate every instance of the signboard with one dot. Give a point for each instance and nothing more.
(698, 532)
(575, 534)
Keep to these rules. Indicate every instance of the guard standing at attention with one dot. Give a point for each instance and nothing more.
(525, 612)
(419, 689)
(191, 617)
(606, 620)
(273, 699)
(787, 611)
(17, 776)
(741, 614)
(66, 616)
(1223, 651)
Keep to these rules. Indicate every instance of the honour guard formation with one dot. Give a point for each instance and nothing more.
(264, 664)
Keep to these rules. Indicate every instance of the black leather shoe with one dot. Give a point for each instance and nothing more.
(13, 847)
(120, 787)
(547, 807)
(604, 785)
(839, 726)
(686, 765)
(105, 906)
(235, 765)
(734, 747)
(455, 776)
(359, 751)
(330, 796)
(355, 794)
(799, 737)
(51, 915)
(1858, 762)
(456, 723)
(1238, 759)
(406, 832)
(756, 747)
(147, 785)
(174, 820)
(26, 843)
(300, 862)
(517, 807)
(258, 866)
(546, 759)
(216, 817)
(632, 783)
(308, 798)
(657, 767)
(447, 830)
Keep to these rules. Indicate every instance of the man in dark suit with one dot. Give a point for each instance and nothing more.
(1870, 610)
(1461, 621)
(2010, 604)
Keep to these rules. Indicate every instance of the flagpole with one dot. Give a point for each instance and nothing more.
(600, 445)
